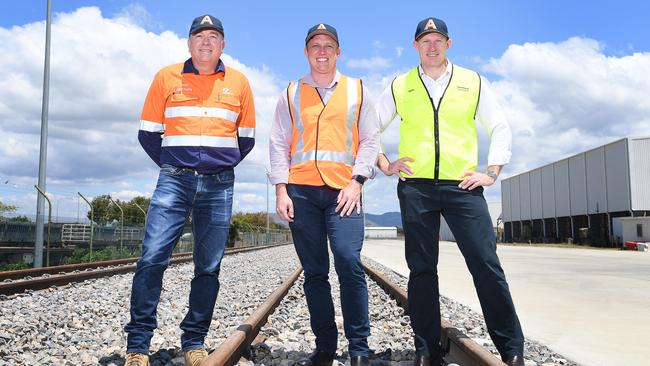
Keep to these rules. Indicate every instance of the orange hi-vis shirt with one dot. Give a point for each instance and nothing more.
(203, 122)
(325, 138)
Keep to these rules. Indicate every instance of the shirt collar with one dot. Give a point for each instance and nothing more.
(307, 79)
(444, 74)
(188, 67)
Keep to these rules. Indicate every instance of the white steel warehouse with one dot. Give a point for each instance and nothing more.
(577, 197)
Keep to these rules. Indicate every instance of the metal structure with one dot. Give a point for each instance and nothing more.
(576, 198)
(92, 229)
(121, 223)
(49, 231)
(42, 162)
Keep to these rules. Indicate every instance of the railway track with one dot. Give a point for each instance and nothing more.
(13, 282)
(235, 349)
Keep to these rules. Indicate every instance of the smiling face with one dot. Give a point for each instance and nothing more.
(206, 48)
(432, 48)
(322, 52)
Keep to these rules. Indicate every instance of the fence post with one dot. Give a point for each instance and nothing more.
(92, 229)
(121, 225)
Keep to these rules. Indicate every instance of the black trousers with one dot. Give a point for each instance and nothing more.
(468, 217)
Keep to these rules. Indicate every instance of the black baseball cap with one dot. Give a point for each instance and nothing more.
(322, 28)
(206, 22)
(430, 25)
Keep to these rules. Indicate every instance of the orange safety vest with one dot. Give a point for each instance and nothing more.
(325, 138)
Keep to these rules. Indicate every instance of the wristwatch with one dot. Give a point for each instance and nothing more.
(492, 174)
(360, 179)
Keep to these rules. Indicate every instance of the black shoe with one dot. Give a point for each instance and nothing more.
(317, 358)
(359, 361)
(517, 360)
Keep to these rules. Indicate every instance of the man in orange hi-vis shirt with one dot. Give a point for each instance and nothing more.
(323, 146)
(197, 123)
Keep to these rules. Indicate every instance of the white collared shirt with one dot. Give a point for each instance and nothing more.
(488, 113)
(282, 128)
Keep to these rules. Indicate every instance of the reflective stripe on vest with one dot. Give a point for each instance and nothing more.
(442, 142)
(325, 138)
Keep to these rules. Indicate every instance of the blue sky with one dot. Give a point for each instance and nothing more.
(569, 75)
(271, 32)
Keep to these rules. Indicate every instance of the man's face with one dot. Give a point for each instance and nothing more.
(432, 48)
(206, 46)
(322, 52)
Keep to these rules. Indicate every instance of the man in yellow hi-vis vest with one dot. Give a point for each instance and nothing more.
(439, 104)
(323, 146)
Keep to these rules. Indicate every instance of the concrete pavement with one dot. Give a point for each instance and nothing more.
(592, 306)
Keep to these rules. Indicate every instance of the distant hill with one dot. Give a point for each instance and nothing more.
(385, 219)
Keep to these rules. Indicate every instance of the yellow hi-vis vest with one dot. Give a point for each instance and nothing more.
(442, 141)
(325, 138)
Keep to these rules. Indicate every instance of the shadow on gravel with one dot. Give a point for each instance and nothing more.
(263, 354)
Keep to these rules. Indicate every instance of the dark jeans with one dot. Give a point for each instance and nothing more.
(314, 221)
(467, 215)
(178, 192)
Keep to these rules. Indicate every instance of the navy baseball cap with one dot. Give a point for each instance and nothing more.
(430, 25)
(322, 28)
(206, 22)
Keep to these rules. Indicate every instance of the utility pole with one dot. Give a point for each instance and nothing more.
(42, 163)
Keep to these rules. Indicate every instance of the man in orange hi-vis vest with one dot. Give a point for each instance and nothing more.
(197, 123)
(323, 145)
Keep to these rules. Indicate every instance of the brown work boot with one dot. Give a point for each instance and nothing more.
(195, 357)
(136, 359)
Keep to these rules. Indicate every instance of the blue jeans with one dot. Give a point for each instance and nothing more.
(468, 217)
(179, 192)
(314, 221)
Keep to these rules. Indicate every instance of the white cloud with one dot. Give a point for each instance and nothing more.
(375, 63)
(399, 51)
(564, 98)
(560, 98)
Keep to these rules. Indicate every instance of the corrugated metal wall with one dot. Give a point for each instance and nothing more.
(611, 178)
(596, 181)
(548, 191)
(618, 179)
(577, 185)
(562, 200)
(639, 149)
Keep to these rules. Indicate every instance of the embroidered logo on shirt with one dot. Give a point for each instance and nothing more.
(411, 90)
(462, 88)
(227, 91)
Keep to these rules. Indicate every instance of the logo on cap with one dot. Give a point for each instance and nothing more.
(430, 25)
(206, 19)
(321, 26)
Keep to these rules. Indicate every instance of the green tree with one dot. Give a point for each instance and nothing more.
(106, 212)
(6, 208)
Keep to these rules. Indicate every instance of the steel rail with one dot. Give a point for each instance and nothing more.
(18, 286)
(237, 344)
(461, 349)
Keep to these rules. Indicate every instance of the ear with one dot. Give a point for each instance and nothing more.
(306, 53)
(448, 43)
(188, 42)
(338, 52)
(223, 44)
(415, 44)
